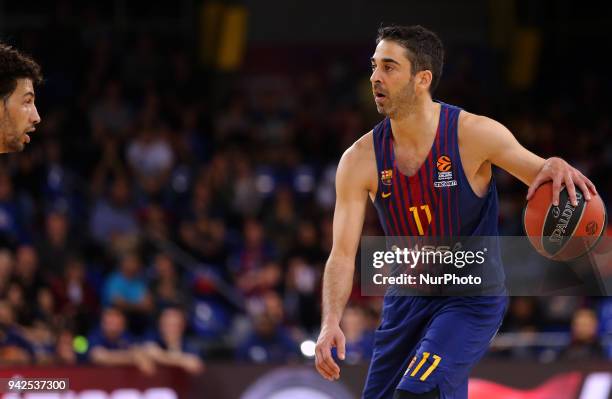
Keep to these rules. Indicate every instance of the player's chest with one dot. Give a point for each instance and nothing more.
(408, 162)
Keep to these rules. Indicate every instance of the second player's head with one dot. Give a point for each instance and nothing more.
(18, 114)
(406, 65)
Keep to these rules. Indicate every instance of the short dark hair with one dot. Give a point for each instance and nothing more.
(424, 48)
(15, 65)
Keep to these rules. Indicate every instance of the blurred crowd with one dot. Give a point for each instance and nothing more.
(153, 221)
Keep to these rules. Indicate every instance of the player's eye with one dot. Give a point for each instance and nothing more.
(388, 68)
(373, 66)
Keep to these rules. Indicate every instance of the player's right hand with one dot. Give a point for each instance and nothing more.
(330, 336)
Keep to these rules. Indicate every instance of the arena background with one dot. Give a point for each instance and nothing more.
(186, 158)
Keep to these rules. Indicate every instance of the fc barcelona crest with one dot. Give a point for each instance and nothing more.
(386, 177)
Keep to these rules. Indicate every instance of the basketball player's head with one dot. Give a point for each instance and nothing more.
(18, 115)
(406, 66)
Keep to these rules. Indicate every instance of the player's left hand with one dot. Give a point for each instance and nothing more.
(561, 173)
(331, 336)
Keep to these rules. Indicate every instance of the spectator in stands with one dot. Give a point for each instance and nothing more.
(75, 296)
(281, 220)
(269, 341)
(523, 315)
(127, 290)
(45, 322)
(6, 270)
(359, 339)
(11, 216)
(301, 293)
(167, 286)
(169, 346)
(585, 343)
(113, 218)
(57, 245)
(155, 226)
(254, 268)
(14, 348)
(151, 158)
(112, 345)
(64, 348)
(307, 246)
(112, 111)
(22, 308)
(246, 200)
(27, 272)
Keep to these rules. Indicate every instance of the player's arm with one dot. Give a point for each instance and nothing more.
(497, 145)
(351, 199)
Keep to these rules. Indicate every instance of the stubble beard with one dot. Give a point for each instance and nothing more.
(402, 104)
(10, 139)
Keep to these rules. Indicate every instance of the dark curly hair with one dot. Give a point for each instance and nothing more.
(13, 66)
(424, 48)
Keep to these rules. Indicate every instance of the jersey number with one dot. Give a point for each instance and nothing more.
(429, 370)
(417, 218)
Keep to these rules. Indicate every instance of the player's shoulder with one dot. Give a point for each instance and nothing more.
(361, 152)
(482, 136)
(358, 163)
(473, 123)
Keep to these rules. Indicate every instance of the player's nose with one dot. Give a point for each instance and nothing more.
(375, 76)
(35, 117)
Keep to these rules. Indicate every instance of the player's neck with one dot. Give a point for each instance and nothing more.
(416, 127)
(417, 124)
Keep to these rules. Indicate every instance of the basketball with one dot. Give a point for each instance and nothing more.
(563, 232)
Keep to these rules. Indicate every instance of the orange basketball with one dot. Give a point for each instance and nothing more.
(563, 232)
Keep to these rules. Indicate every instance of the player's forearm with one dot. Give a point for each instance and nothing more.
(337, 285)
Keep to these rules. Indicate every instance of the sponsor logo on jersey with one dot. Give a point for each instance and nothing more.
(445, 178)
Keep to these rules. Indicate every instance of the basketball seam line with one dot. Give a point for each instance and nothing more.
(577, 224)
(543, 227)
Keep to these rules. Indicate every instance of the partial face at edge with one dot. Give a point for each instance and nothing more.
(393, 84)
(18, 117)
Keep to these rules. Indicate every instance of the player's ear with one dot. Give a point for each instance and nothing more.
(423, 79)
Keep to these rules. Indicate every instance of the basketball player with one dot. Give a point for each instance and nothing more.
(425, 346)
(18, 115)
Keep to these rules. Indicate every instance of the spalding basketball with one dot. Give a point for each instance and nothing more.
(563, 232)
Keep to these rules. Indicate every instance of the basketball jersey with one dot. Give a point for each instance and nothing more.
(437, 201)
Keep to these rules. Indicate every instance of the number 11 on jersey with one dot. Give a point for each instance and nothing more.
(417, 218)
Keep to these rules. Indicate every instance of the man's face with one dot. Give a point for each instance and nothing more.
(113, 323)
(18, 116)
(393, 84)
(130, 266)
(172, 323)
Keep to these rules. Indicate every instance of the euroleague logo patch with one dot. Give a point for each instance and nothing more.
(444, 164)
(444, 168)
